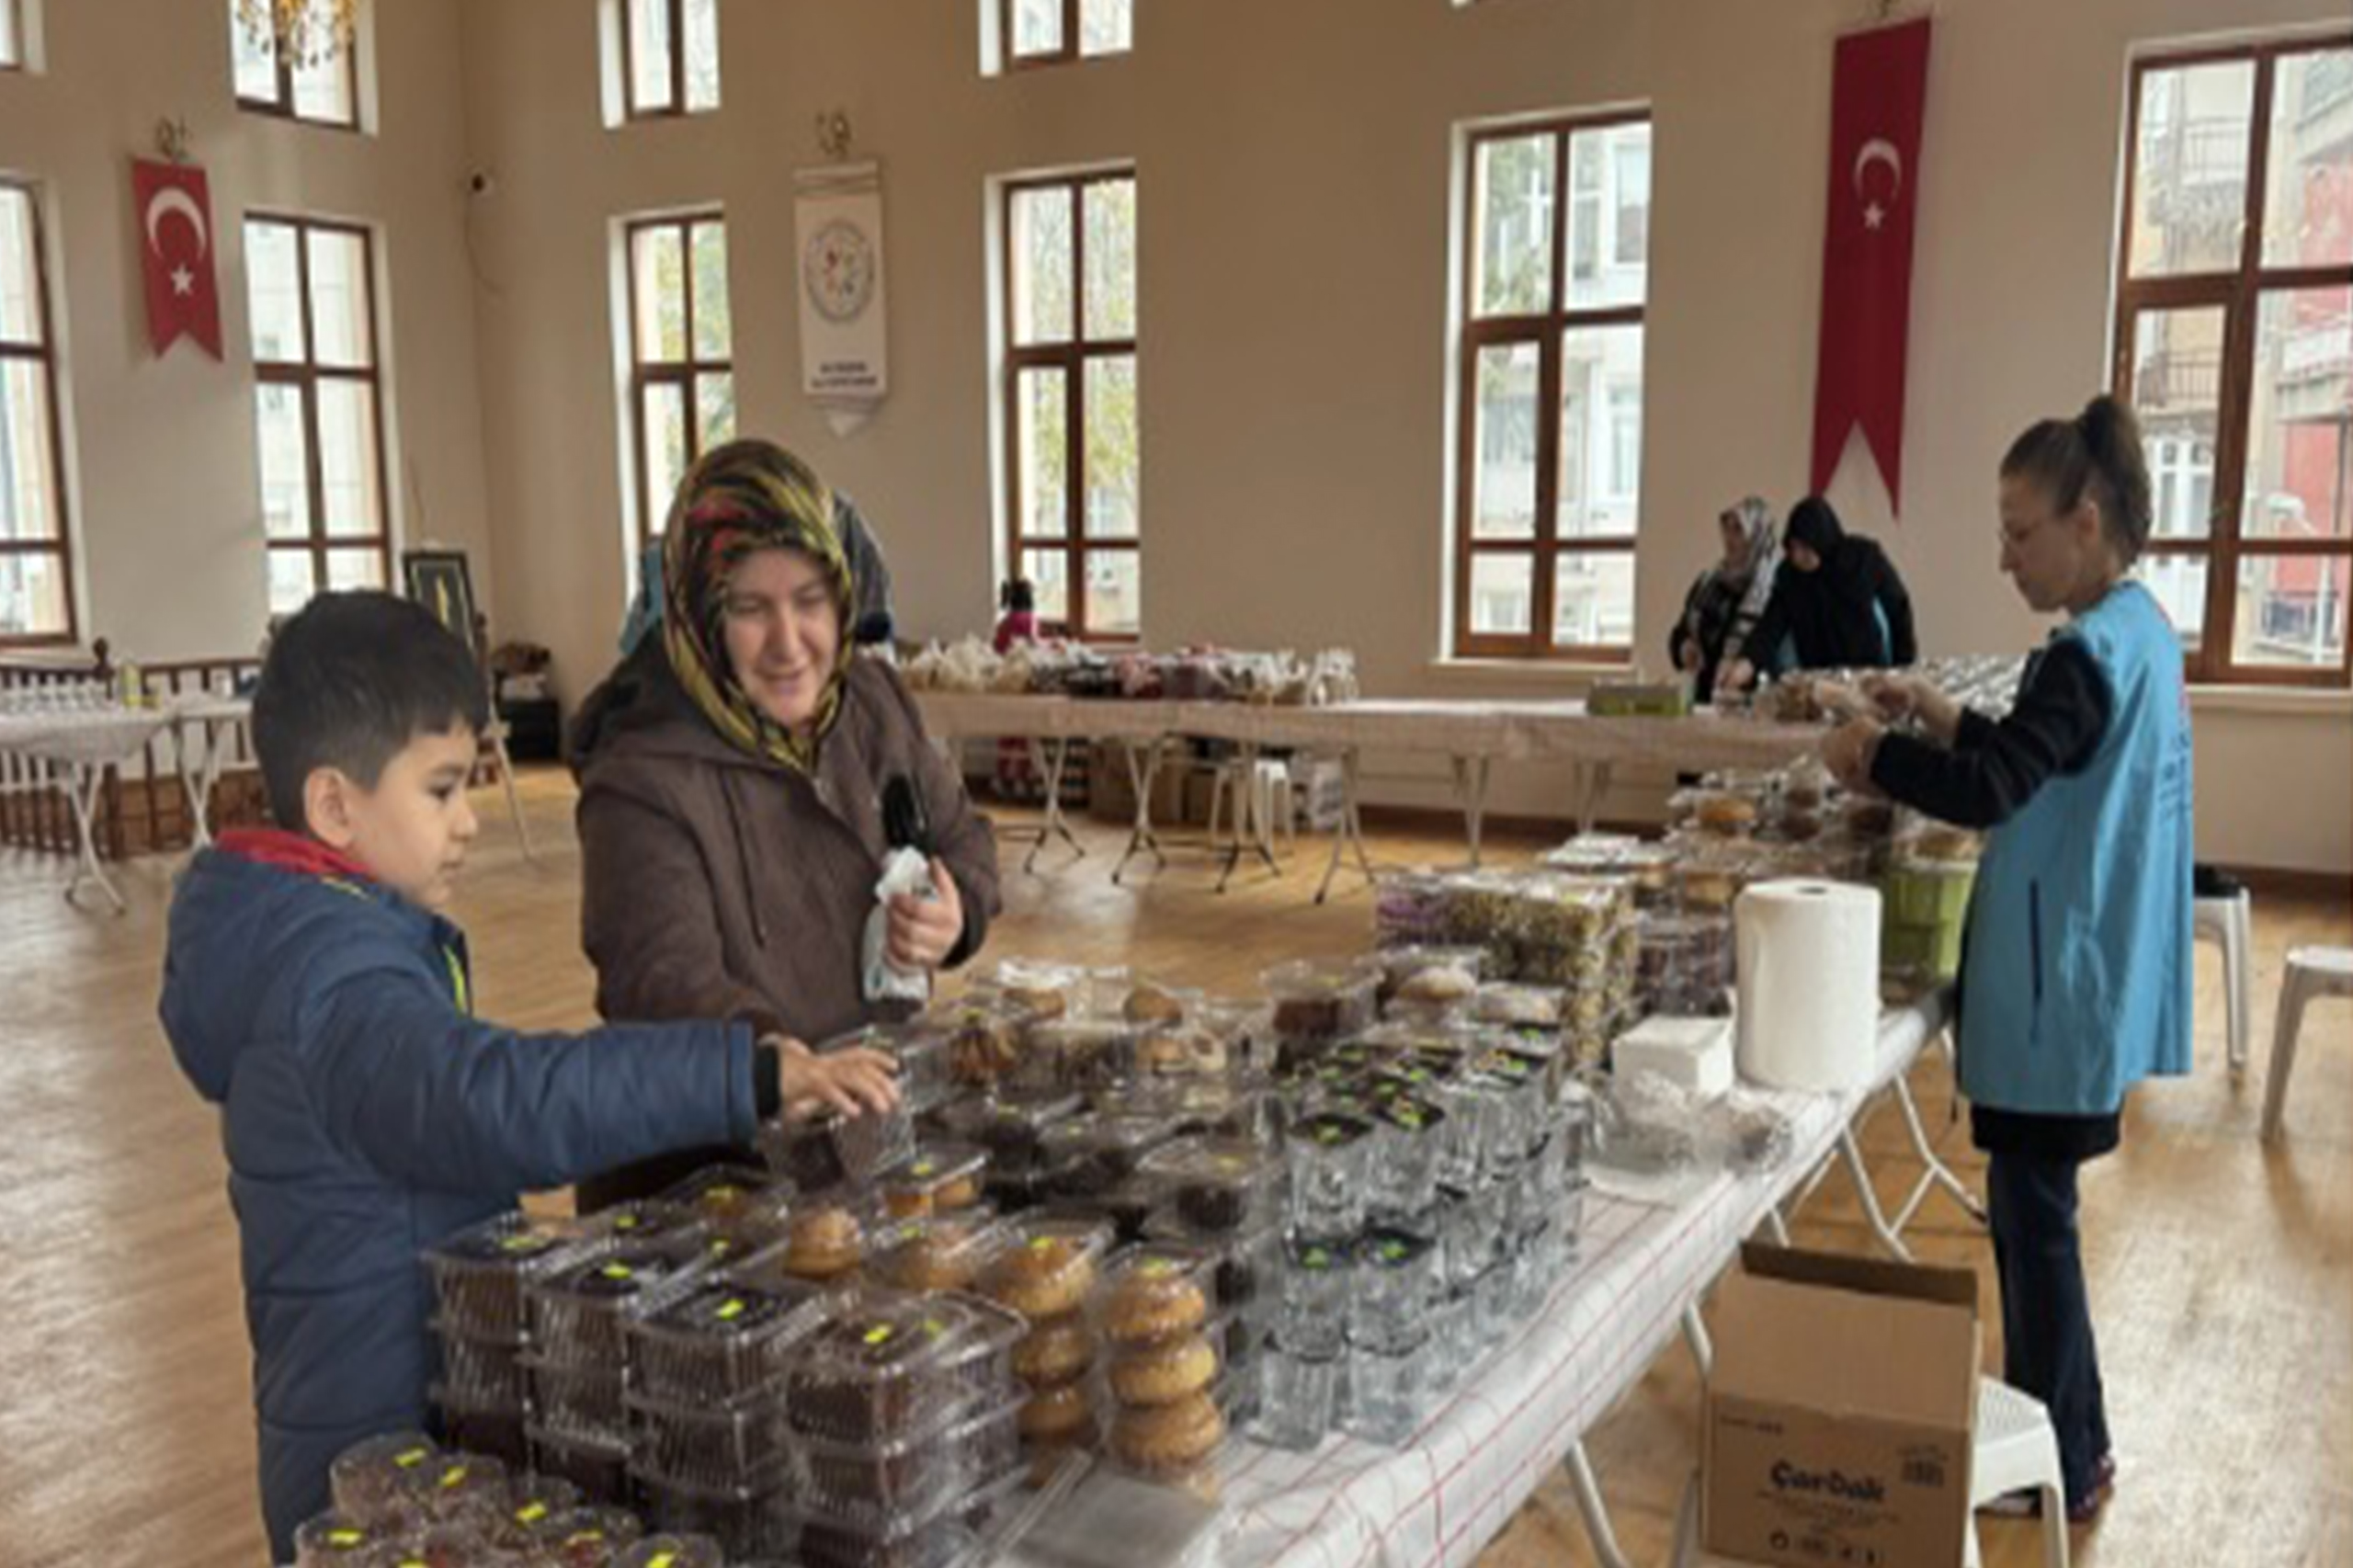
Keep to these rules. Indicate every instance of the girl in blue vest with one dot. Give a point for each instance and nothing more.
(2076, 982)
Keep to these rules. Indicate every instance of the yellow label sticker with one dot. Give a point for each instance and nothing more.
(879, 1335)
(1156, 1268)
(344, 1540)
(1041, 1244)
(526, 1242)
(663, 1560)
(577, 1537)
(530, 1513)
(730, 1309)
(923, 1167)
(453, 1477)
(618, 1271)
(934, 1328)
(626, 1223)
(409, 1458)
(723, 1194)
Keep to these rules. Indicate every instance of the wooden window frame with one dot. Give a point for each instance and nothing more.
(653, 510)
(281, 106)
(1543, 330)
(1068, 54)
(677, 108)
(2239, 294)
(305, 375)
(15, 10)
(45, 354)
(1072, 358)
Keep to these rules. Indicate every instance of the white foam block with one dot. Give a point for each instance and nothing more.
(1692, 1053)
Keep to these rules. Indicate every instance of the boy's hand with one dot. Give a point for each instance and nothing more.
(852, 1082)
(923, 931)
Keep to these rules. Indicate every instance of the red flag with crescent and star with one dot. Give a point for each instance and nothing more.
(175, 237)
(1879, 88)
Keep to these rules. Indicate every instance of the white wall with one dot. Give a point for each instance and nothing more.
(166, 507)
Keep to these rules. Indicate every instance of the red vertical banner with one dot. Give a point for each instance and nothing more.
(1878, 89)
(175, 246)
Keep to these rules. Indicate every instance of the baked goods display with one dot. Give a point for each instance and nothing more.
(1048, 1267)
(944, 1251)
(828, 1237)
(935, 1178)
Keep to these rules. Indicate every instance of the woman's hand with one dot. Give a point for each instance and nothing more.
(1849, 750)
(923, 931)
(1687, 654)
(851, 1082)
(1901, 697)
(1738, 675)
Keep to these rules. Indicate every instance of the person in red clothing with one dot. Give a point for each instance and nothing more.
(1016, 769)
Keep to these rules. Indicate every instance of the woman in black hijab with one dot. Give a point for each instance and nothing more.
(1837, 597)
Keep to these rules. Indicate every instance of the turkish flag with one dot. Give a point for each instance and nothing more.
(175, 235)
(1879, 85)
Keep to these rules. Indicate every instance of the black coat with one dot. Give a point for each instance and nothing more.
(1834, 612)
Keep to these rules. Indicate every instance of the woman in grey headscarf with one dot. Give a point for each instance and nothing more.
(1724, 604)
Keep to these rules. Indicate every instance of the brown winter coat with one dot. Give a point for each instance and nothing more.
(721, 885)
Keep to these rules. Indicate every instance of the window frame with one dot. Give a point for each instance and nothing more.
(305, 375)
(282, 106)
(45, 354)
(2239, 294)
(677, 108)
(14, 15)
(652, 510)
(1071, 357)
(1071, 52)
(1544, 331)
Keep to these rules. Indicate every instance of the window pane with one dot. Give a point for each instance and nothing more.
(19, 267)
(658, 260)
(1111, 211)
(1037, 27)
(1113, 435)
(1114, 593)
(285, 461)
(2308, 211)
(349, 569)
(1503, 595)
(1610, 219)
(273, 282)
(702, 55)
(339, 298)
(649, 55)
(2176, 387)
(715, 409)
(1041, 449)
(2299, 422)
(2189, 174)
(2291, 611)
(256, 59)
(291, 585)
(665, 411)
(714, 327)
(1601, 432)
(352, 486)
(2179, 584)
(1503, 498)
(1593, 599)
(1041, 264)
(27, 480)
(32, 596)
(322, 90)
(1512, 264)
(12, 48)
(1105, 26)
(1049, 573)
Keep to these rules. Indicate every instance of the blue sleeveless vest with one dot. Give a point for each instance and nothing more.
(2076, 982)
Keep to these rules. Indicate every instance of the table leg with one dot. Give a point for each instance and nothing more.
(1593, 781)
(1470, 783)
(1143, 773)
(1351, 833)
(1052, 757)
(83, 793)
(216, 751)
(1590, 1506)
(1936, 1173)
(1851, 1151)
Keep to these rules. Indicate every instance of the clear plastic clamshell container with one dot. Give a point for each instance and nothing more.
(1321, 1000)
(1220, 1184)
(703, 1446)
(899, 1364)
(337, 1539)
(1249, 1264)
(478, 1273)
(527, 1517)
(1012, 1128)
(576, 1313)
(720, 1340)
(1155, 1292)
(947, 1535)
(833, 1149)
(480, 1371)
(984, 1036)
(936, 1179)
(735, 1199)
(492, 1428)
(1049, 1267)
(578, 1401)
(1075, 1053)
(680, 1547)
(368, 1481)
(1095, 1154)
(876, 1483)
(586, 1538)
(599, 1467)
(921, 1051)
(936, 1252)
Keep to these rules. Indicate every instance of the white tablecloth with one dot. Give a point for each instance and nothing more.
(83, 737)
(1443, 1497)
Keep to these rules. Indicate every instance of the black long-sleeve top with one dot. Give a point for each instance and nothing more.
(1834, 612)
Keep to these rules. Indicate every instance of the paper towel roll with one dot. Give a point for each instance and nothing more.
(1809, 983)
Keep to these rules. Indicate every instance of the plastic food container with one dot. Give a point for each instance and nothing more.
(586, 1538)
(1155, 1292)
(578, 1401)
(1127, 1207)
(1238, 1106)
(528, 1514)
(984, 1036)
(1301, 1395)
(833, 1150)
(1011, 1128)
(1219, 1185)
(576, 1313)
(1409, 910)
(455, 1484)
(875, 1483)
(1389, 1393)
(337, 1539)
(710, 1448)
(1319, 1001)
(827, 1239)
(935, 1178)
(1246, 1273)
(1167, 1371)
(1508, 1005)
(1329, 1157)
(900, 1364)
(480, 1371)
(722, 1341)
(1397, 1281)
(675, 1547)
(1174, 1444)
(922, 1053)
(370, 1480)
(599, 1469)
(1050, 1265)
(480, 1272)
(1075, 1053)
(943, 1536)
(1413, 1138)
(1316, 1287)
(1092, 1154)
(938, 1252)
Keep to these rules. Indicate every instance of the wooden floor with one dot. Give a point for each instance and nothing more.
(2222, 1272)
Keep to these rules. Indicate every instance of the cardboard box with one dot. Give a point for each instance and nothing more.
(1111, 796)
(1841, 1413)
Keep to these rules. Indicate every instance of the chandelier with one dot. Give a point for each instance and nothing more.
(301, 32)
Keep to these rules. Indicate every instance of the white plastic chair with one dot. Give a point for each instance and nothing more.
(2229, 923)
(2311, 973)
(2016, 1450)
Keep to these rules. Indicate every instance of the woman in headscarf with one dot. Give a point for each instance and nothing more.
(1837, 597)
(731, 774)
(1725, 603)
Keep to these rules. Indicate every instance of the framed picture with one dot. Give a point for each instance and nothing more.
(438, 579)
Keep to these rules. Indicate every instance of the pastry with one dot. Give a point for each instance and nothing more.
(1164, 1374)
(1154, 1302)
(1061, 1415)
(1152, 1005)
(941, 1256)
(1042, 1002)
(1162, 1440)
(1054, 1353)
(1048, 1277)
(985, 1048)
(1436, 985)
(826, 1243)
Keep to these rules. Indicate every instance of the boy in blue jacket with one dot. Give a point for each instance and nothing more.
(314, 994)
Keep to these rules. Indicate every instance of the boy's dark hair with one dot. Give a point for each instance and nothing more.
(348, 683)
(2096, 453)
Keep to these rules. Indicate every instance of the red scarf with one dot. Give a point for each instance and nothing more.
(296, 852)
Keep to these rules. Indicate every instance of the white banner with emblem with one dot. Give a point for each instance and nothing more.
(845, 348)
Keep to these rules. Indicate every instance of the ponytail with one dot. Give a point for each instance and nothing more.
(2097, 453)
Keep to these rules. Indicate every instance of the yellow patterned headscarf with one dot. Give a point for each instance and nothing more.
(739, 499)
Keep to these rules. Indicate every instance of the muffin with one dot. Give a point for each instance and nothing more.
(1152, 1005)
(1055, 1352)
(1154, 1301)
(1164, 1439)
(1047, 1277)
(1165, 1373)
(1059, 1416)
(826, 1243)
